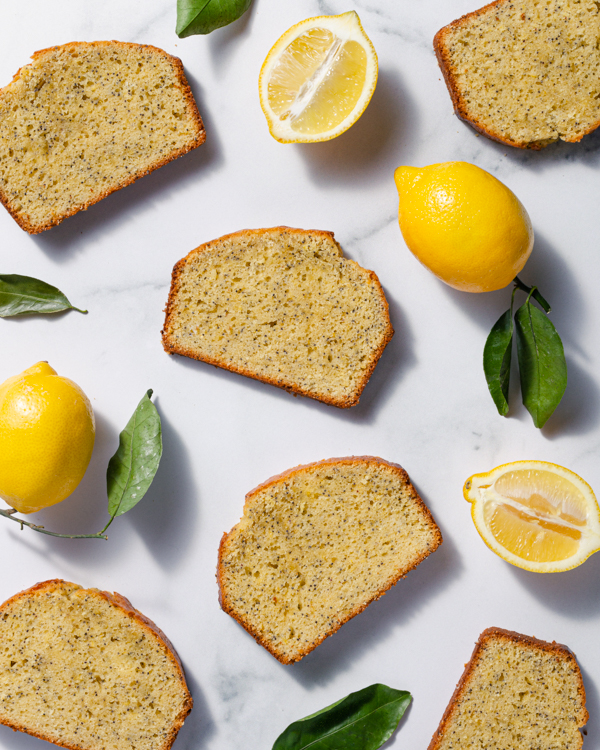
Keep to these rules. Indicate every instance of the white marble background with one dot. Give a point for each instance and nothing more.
(426, 407)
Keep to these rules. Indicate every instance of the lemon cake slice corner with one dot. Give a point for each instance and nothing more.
(516, 692)
(85, 119)
(283, 306)
(316, 545)
(525, 72)
(85, 670)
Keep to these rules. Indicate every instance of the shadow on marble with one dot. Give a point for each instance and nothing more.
(166, 518)
(587, 151)
(48, 318)
(592, 703)
(396, 359)
(65, 241)
(83, 512)
(579, 410)
(397, 736)
(574, 593)
(547, 269)
(222, 42)
(340, 652)
(11, 740)
(199, 726)
(369, 151)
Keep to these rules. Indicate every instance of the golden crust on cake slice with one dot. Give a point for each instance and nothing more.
(85, 119)
(316, 545)
(283, 306)
(524, 72)
(85, 670)
(515, 692)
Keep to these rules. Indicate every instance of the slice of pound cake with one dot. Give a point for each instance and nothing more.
(85, 119)
(83, 669)
(516, 692)
(525, 72)
(283, 306)
(316, 545)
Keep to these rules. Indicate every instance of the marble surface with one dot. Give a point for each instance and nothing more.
(426, 407)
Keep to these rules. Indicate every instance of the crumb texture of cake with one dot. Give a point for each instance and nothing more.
(83, 669)
(85, 119)
(283, 306)
(515, 692)
(525, 72)
(316, 545)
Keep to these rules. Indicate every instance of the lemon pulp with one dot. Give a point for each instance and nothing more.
(318, 78)
(540, 517)
(318, 81)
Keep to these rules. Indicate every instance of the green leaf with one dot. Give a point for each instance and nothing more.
(497, 354)
(131, 470)
(24, 295)
(204, 16)
(361, 721)
(542, 364)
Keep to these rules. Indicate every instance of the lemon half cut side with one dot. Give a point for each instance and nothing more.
(536, 515)
(317, 79)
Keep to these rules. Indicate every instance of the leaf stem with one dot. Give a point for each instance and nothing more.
(111, 519)
(512, 300)
(8, 513)
(532, 290)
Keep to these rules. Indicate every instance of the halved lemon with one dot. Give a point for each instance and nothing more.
(536, 515)
(318, 79)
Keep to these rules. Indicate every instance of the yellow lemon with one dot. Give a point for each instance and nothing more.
(46, 438)
(317, 79)
(536, 515)
(463, 224)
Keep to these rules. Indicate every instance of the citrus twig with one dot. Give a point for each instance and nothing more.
(8, 513)
(532, 291)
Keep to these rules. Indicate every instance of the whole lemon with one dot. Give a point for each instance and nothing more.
(46, 438)
(463, 224)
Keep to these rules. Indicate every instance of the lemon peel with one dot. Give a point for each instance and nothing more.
(536, 515)
(47, 431)
(463, 224)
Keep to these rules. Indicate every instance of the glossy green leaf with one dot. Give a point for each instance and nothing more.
(361, 721)
(497, 355)
(131, 470)
(24, 295)
(542, 364)
(204, 16)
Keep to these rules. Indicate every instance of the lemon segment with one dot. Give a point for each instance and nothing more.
(47, 434)
(318, 79)
(298, 63)
(463, 225)
(529, 537)
(535, 515)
